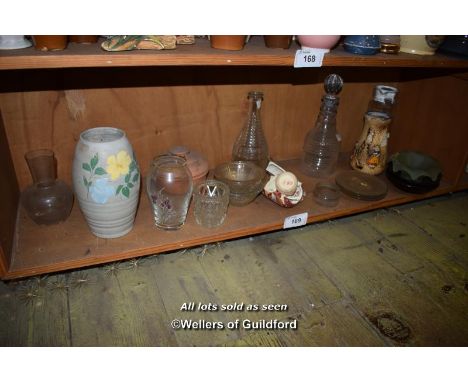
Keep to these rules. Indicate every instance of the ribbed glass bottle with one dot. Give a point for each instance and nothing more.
(251, 144)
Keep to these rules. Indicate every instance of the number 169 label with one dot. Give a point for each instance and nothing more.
(295, 220)
(309, 58)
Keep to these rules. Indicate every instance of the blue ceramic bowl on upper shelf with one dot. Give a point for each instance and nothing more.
(367, 44)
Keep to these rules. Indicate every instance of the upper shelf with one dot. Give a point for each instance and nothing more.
(254, 53)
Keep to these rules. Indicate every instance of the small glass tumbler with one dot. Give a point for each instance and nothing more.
(211, 200)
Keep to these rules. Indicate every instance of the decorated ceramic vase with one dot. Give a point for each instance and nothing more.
(106, 180)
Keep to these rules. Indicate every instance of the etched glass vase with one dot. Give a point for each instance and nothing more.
(169, 186)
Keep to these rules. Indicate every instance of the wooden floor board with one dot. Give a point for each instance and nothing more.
(118, 305)
(36, 313)
(336, 324)
(447, 220)
(377, 289)
(268, 269)
(407, 237)
(180, 280)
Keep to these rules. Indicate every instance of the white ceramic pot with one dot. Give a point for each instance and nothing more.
(14, 42)
(106, 180)
(420, 44)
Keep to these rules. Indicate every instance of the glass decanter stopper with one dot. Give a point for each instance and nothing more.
(321, 145)
(48, 200)
(251, 144)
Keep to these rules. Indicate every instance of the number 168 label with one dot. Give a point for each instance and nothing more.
(309, 58)
(295, 220)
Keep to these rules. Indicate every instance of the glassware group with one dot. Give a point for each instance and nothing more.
(106, 175)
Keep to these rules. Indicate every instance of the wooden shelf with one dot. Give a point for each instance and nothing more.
(254, 53)
(44, 249)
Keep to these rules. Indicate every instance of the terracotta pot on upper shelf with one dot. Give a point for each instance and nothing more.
(85, 39)
(228, 42)
(277, 41)
(50, 42)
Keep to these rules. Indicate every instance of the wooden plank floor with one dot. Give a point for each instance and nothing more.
(393, 277)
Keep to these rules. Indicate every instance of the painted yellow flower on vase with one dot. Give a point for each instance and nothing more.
(118, 165)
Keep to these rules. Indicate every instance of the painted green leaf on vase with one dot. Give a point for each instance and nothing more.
(100, 171)
(94, 161)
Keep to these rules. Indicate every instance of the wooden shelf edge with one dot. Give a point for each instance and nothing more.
(200, 54)
(161, 249)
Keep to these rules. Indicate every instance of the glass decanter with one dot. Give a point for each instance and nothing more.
(251, 144)
(48, 200)
(321, 145)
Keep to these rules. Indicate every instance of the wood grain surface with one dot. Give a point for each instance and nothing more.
(205, 110)
(254, 53)
(433, 118)
(9, 198)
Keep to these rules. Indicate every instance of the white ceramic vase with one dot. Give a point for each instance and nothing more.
(106, 181)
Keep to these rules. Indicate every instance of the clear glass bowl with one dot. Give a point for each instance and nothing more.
(326, 194)
(245, 180)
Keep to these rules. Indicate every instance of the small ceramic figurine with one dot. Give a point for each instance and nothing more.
(119, 43)
(283, 188)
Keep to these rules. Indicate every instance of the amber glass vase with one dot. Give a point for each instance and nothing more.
(48, 200)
